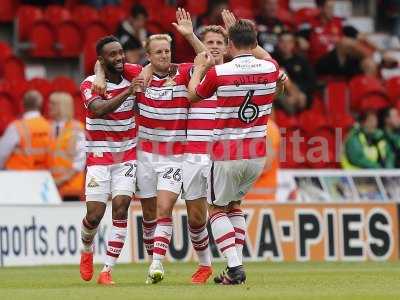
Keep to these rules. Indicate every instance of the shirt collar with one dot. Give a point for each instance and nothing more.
(31, 114)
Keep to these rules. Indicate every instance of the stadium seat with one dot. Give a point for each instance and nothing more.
(88, 58)
(310, 122)
(286, 121)
(56, 14)
(336, 97)
(293, 151)
(5, 52)
(27, 15)
(13, 69)
(239, 4)
(64, 84)
(154, 27)
(393, 89)
(42, 39)
(8, 9)
(94, 31)
(341, 121)
(43, 86)
(69, 39)
(112, 16)
(362, 86)
(7, 111)
(197, 7)
(84, 15)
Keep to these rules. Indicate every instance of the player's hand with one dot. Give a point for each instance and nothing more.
(204, 60)
(184, 23)
(137, 84)
(99, 84)
(229, 19)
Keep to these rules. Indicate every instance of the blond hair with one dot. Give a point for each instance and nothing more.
(66, 103)
(216, 29)
(156, 37)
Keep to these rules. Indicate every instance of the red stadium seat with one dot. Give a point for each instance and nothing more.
(7, 111)
(286, 121)
(342, 122)
(65, 84)
(112, 16)
(5, 51)
(42, 85)
(362, 86)
(94, 31)
(69, 39)
(154, 27)
(336, 97)
(27, 15)
(293, 153)
(13, 69)
(42, 38)
(239, 4)
(310, 122)
(197, 7)
(393, 89)
(83, 15)
(89, 57)
(56, 14)
(8, 9)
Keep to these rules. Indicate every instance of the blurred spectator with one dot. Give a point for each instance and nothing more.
(25, 143)
(269, 27)
(134, 27)
(100, 3)
(265, 187)
(388, 13)
(321, 33)
(134, 51)
(297, 67)
(389, 122)
(366, 147)
(344, 61)
(213, 14)
(67, 158)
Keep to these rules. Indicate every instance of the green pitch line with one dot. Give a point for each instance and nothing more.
(265, 281)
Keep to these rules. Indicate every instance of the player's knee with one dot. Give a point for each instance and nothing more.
(197, 218)
(94, 218)
(120, 213)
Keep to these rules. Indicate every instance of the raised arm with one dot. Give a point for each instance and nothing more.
(202, 63)
(229, 20)
(99, 83)
(184, 26)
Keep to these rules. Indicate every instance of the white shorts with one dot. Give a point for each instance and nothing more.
(195, 168)
(158, 173)
(103, 181)
(231, 180)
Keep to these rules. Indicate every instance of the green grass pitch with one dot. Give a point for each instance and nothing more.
(366, 280)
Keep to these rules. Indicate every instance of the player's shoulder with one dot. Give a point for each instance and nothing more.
(132, 69)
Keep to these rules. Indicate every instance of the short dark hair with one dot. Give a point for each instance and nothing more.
(320, 3)
(243, 34)
(383, 114)
(138, 10)
(363, 116)
(104, 41)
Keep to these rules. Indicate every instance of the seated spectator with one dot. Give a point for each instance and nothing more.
(366, 147)
(67, 158)
(269, 27)
(25, 143)
(321, 34)
(297, 67)
(213, 14)
(134, 27)
(134, 52)
(344, 61)
(389, 122)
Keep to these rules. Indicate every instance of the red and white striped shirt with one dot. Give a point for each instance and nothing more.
(163, 109)
(200, 126)
(112, 138)
(245, 89)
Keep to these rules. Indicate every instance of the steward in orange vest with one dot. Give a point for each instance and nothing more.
(67, 159)
(266, 186)
(25, 143)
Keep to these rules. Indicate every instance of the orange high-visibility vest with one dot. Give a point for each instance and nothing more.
(34, 140)
(266, 185)
(63, 151)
